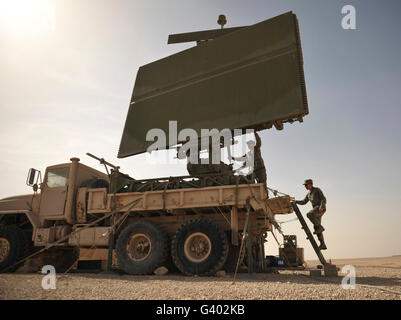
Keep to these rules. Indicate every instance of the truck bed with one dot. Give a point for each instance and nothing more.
(99, 201)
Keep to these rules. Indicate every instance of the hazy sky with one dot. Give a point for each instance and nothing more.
(67, 70)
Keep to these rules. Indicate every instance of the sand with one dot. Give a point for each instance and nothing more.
(376, 278)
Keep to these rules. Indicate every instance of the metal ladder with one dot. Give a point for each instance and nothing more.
(309, 234)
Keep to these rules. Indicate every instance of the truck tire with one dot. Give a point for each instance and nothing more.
(26, 244)
(12, 246)
(171, 267)
(142, 247)
(199, 247)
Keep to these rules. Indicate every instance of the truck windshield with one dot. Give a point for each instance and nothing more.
(57, 178)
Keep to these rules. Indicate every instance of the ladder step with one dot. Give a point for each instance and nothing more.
(309, 235)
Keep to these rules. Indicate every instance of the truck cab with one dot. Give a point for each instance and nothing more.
(49, 213)
(59, 189)
(55, 199)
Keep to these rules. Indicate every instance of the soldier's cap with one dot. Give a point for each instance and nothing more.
(251, 142)
(308, 181)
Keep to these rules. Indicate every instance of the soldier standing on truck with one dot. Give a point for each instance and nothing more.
(253, 160)
(318, 200)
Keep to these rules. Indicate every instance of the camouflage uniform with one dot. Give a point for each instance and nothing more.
(260, 169)
(318, 200)
(253, 159)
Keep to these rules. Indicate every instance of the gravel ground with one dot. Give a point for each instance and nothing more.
(372, 275)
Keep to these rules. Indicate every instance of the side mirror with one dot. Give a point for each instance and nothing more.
(33, 177)
(30, 181)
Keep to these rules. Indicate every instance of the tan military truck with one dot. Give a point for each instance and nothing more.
(242, 78)
(196, 227)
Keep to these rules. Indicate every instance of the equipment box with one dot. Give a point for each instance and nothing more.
(295, 256)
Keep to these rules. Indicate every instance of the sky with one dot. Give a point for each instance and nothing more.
(68, 67)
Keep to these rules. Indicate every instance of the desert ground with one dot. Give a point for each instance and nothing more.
(376, 278)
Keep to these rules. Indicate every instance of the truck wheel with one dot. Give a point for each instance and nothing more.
(142, 247)
(171, 267)
(199, 247)
(25, 242)
(12, 246)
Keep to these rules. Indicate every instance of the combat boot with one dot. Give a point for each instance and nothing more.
(318, 230)
(321, 239)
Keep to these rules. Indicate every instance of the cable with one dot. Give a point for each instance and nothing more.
(282, 222)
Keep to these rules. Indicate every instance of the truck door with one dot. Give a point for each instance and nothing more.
(54, 193)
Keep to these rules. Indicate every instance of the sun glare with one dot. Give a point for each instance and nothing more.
(21, 18)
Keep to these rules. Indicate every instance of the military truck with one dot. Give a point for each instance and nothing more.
(196, 227)
(236, 78)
